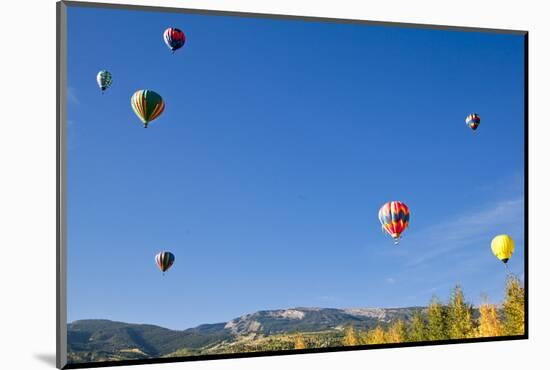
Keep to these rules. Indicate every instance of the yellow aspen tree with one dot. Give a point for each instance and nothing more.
(376, 336)
(514, 307)
(396, 332)
(350, 339)
(459, 320)
(362, 337)
(299, 342)
(489, 323)
(436, 328)
(417, 331)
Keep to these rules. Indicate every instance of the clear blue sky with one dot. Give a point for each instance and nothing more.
(279, 142)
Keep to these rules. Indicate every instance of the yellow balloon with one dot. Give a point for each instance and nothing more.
(502, 247)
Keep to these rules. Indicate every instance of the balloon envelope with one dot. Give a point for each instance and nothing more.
(174, 38)
(104, 79)
(502, 247)
(164, 260)
(147, 105)
(473, 121)
(394, 217)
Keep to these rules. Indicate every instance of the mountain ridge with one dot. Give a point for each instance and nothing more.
(102, 340)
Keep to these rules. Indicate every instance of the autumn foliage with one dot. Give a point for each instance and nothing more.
(455, 320)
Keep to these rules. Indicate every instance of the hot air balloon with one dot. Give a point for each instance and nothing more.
(394, 217)
(164, 260)
(473, 121)
(104, 79)
(502, 247)
(147, 105)
(174, 38)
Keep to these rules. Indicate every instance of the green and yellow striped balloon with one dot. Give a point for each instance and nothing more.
(147, 105)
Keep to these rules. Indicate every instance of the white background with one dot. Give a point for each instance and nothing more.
(27, 186)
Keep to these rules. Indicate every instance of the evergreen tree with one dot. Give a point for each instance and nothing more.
(514, 307)
(376, 336)
(417, 331)
(489, 323)
(396, 332)
(299, 342)
(460, 323)
(350, 339)
(436, 328)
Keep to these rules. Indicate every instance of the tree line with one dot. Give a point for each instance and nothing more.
(455, 320)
